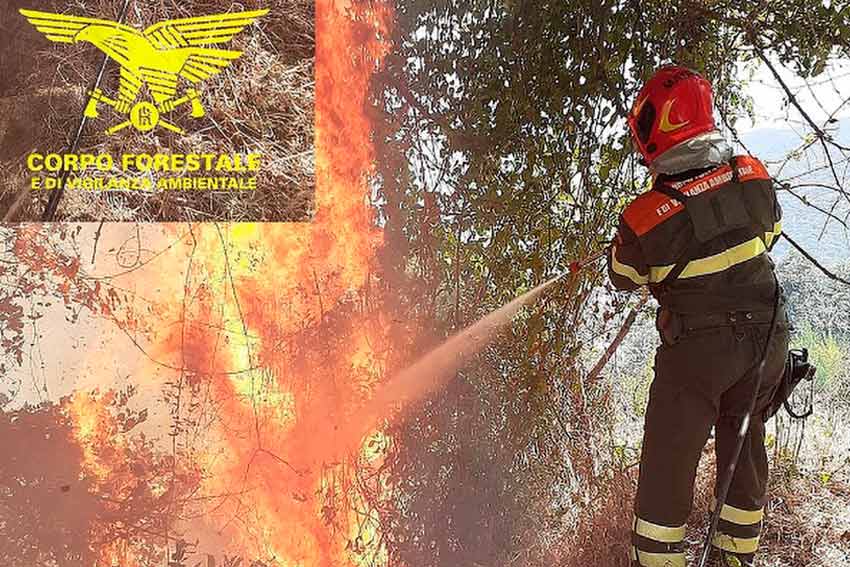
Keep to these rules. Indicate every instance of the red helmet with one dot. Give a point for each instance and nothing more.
(675, 105)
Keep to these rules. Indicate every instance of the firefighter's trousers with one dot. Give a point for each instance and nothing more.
(702, 380)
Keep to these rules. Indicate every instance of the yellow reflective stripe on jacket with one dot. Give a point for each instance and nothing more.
(656, 532)
(739, 254)
(647, 559)
(625, 270)
(658, 273)
(735, 255)
(739, 516)
(736, 544)
(718, 262)
(770, 236)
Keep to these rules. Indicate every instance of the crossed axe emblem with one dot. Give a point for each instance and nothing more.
(145, 116)
(158, 56)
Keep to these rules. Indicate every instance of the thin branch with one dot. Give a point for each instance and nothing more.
(621, 334)
(791, 96)
(805, 200)
(817, 264)
(96, 240)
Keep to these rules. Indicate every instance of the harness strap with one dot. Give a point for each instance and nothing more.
(692, 248)
(694, 245)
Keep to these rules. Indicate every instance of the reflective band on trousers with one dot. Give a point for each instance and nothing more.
(656, 532)
(736, 544)
(738, 515)
(735, 255)
(647, 559)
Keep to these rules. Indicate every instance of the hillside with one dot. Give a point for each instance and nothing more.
(828, 241)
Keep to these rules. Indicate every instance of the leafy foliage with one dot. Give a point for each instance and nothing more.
(40, 267)
(503, 156)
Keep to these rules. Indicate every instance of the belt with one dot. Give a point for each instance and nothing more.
(674, 326)
(728, 319)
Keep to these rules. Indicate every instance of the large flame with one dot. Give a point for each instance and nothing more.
(261, 342)
(268, 348)
(267, 324)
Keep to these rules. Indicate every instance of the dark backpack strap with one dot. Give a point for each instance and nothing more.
(733, 163)
(671, 192)
(693, 247)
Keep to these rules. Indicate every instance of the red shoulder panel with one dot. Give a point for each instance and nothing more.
(652, 208)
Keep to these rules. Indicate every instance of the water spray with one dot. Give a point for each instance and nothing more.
(432, 371)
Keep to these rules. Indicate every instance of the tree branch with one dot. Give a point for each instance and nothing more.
(621, 334)
(817, 264)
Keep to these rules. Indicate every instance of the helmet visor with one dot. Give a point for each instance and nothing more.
(645, 121)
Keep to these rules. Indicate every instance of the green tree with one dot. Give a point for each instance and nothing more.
(502, 157)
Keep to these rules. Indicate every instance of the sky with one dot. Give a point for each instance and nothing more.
(827, 94)
(778, 128)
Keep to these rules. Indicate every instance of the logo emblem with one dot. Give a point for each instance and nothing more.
(665, 125)
(157, 58)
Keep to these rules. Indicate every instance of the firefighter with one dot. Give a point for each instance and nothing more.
(699, 239)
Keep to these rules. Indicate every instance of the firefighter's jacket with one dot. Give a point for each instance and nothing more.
(717, 240)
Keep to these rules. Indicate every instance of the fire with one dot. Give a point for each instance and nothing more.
(105, 451)
(266, 322)
(278, 341)
(96, 432)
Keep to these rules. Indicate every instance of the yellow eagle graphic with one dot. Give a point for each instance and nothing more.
(156, 57)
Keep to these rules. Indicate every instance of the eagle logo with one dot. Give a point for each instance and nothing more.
(157, 58)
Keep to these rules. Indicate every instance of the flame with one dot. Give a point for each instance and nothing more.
(105, 454)
(267, 320)
(283, 371)
(96, 432)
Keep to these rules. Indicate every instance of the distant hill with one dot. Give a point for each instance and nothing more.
(804, 223)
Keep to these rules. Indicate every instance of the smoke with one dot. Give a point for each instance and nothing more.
(434, 370)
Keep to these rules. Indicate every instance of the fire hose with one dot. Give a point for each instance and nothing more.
(579, 265)
(743, 430)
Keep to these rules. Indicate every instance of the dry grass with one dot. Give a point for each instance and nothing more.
(603, 536)
(807, 521)
(263, 103)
